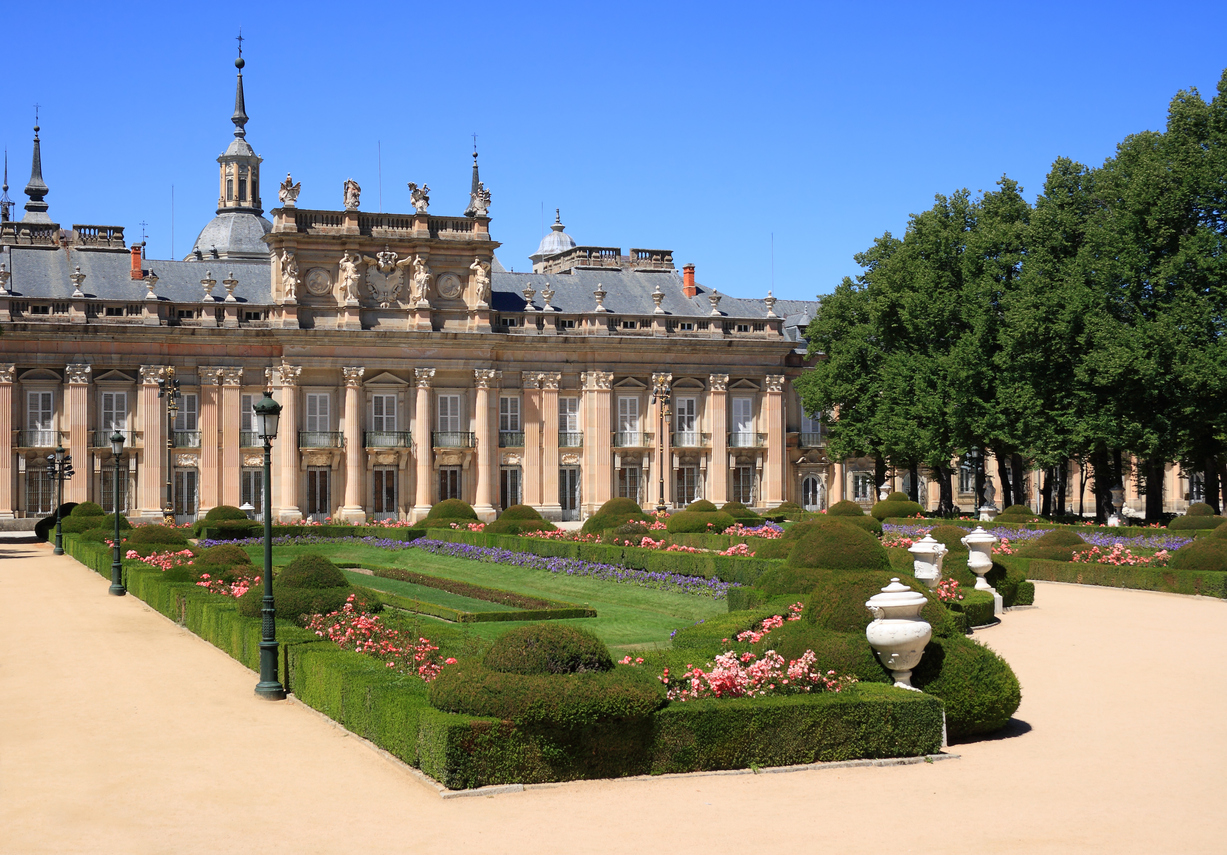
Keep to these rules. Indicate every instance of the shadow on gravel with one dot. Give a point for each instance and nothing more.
(1014, 728)
(14, 540)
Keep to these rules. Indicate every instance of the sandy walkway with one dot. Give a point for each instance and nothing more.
(122, 733)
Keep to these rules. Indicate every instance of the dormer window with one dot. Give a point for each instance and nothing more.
(230, 183)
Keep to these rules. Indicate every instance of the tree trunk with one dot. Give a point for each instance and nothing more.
(945, 502)
(879, 474)
(913, 490)
(1154, 489)
(1019, 480)
(1081, 488)
(1101, 479)
(1006, 497)
(1046, 492)
(1211, 484)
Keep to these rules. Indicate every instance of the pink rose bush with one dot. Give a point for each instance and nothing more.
(948, 591)
(362, 632)
(1121, 556)
(163, 560)
(746, 675)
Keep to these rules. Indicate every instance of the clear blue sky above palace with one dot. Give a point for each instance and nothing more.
(704, 128)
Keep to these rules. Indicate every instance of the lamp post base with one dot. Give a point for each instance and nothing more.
(269, 687)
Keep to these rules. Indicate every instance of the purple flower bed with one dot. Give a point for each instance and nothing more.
(568, 566)
(1095, 537)
(915, 532)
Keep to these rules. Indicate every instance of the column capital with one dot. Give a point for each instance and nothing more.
(487, 378)
(353, 376)
(151, 374)
(210, 376)
(424, 377)
(530, 379)
(8, 372)
(284, 375)
(596, 380)
(232, 376)
(719, 382)
(775, 382)
(550, 379)
(661, 381)
(78, 373)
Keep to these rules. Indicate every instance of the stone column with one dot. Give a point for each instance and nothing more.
(286, 377)
(210, 467)
(777, 454)
(836, 492)
(550, 507)
(663, 460)
(76, 416)
(231, 420)
(8, 373)
(598, 448)
(717, 487)
(151, 416)
(530, 382)
(487, 445)
(354, 449)
(421, 444)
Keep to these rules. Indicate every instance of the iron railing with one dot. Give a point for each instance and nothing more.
(388, 439)
(690, 439)
(632, 439)
(511, 439)
(102, 438)
(321, 439)
(571, 439)
(742, 439)
(453, 439)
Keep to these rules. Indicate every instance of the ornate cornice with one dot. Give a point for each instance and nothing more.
(353, 376)
(210, 376)
(424, 377)
(487, 378)
(78, 373)
(775, 382)
(719, 382)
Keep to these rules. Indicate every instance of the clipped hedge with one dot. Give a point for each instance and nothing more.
(87, 509)
(614, 513)
(513, 525)
(1191, 522)
(951, 536)
(157, 535)
(846, 508)
(1205, 554)
(547, 649)
(1056, 545)
(77, 524)
(833, 545)
(312, 571)
(978, 688)
(226, 553)
(741, 513)
(1016, 514)
(978, 606)
(451, 509)
(1169, 579)
(702, 506)
(699, 522)
(896, 507)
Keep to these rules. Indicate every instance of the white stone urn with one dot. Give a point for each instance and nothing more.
(927, 557)
(980, 560)
(897, 634)
(883, 491)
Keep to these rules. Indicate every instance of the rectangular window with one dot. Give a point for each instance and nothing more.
(114, 411)
(628, 483)
(383, 413)
(743, 485)
(967, 478)
(247, 413)
(319, 492)
(686, 422)
(687, 486)
(185, 495)
(568, 415)
(251, 490)
(509, 487)
(319, 417)
(862, 487)
(186, 418)
(508, 414)
(40, 492)
(628, 415)
(449, 413)
(449, 482)
(107, 488)
(568, 492)
(384, 488)
(743, 416)
(686, 326)
(811, 423)
(39, 420)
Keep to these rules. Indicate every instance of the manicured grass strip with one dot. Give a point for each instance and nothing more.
(425, 593)
(398, 595)
(511, 599)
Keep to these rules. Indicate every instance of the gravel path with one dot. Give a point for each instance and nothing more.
(123, 733)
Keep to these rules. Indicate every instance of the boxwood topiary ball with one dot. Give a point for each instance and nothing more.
(87, 509)
(312, 571)
(691, 522)
(951, 536)
(521, 512)
(157, 535)
(702, 506)
(893, 507)
(1204, 553)
(1197, 509)
(837, 602)
(225, 512)
(1057, 545)
(452, 509)
(1191, 522)
(513, 525)
(548, 649)
(977, 687)
(1017, 513)
(225, 553)
(846, 508)
(865, 523)
(612, 514)
(834, 545)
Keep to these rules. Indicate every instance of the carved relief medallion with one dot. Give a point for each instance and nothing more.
(449, 286)
(318, 282)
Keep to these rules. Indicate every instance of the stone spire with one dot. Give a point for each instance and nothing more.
(240, 165)
(479, 196)
(240, 109)
(6, 204)
(36, 208)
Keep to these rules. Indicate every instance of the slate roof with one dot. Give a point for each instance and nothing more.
(235, 234)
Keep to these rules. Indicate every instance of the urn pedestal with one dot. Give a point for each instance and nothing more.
(897, 634)
(980, 560)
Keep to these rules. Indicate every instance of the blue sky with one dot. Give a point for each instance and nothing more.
(703, 128)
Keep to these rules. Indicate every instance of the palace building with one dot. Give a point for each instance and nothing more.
(410, 364)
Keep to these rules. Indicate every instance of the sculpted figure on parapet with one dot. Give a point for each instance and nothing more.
(349, 276)
(422, 278)
(289, 274)
(420, 197)
(352, 194)
(288, 194)
(481, 280)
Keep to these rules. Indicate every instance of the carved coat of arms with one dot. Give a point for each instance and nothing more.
(384, 276)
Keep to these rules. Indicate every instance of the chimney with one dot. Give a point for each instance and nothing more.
(688, 286)
(137, 271)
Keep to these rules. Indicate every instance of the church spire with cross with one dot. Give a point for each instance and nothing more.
(36, 189)
(6, 204)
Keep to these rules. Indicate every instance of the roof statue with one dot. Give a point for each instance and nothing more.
(352, 194)
(420, 197)
(288, 192)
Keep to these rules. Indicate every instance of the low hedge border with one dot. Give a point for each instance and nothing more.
(726, 568)
(404, 533)
(356, 691)
(1039, 525)
(1204, 583)
(421, 607)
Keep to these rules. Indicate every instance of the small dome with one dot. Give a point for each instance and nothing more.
(235, 235)
(555, 242)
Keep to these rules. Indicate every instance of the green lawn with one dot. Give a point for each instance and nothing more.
(426, 594)
(628, 617)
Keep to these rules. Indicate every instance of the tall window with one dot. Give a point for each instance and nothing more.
(862, 486)
(251, 490)
(449, 412)
(812, 493)
(743, 485)
(39, 419)
(508, 414)
(628, 482)
(685, 422)
(687, 485)
(383, 413)
(319, 493)
(449, 482)
(319, 417)
(811, 430)
(114, 411)
(40, 492)
(188, 415)
(743, 422)
(384, 487)
(247, 413)
(107, 487)
(185, 495)
(1197, 487)
(628, 421)
(509, 487)
(242, 182)
(568, 415)
(967, 477)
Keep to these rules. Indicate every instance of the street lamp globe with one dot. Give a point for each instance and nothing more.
(267, 412)
(117, 443)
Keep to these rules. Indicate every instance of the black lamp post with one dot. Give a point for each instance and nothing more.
(60, 465)
(267, 412)
(660, 395)
(168, 388)
(117, 570)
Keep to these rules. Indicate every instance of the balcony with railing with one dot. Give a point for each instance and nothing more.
(511, 439)
(250, 439)
(743, 439)
(632, 439)
(453, 439)
(691, 439)
(811, 440)
(387, 439)
(102, 438)
(186, 439)
(39, 438)
(570, 439)
(321, 439)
